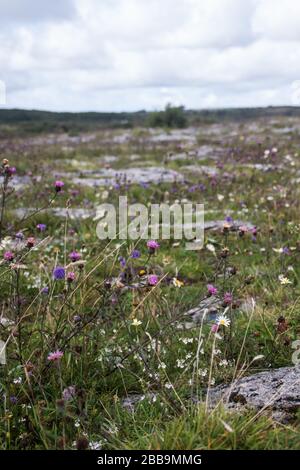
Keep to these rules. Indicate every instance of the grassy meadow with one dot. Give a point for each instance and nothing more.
(97, 349)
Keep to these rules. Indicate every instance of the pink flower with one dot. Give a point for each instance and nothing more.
(55, 356)
(212, 290)
(10, 170)
(69, 393)
(152, 246)
(30, 242)
(74, 256)
(152, 280)
(227, 298)
(214, 328)
(59, 185)
(71, 276)
(8, 256)
(243, 229)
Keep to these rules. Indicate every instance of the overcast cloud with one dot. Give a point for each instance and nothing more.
(113, 55)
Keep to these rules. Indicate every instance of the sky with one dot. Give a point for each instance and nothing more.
(128, 55)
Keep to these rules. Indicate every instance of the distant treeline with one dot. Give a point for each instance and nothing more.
(21, 121)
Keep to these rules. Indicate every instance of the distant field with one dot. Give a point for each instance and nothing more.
(19, 122)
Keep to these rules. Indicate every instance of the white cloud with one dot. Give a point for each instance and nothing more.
(277, 19)
(134, 54)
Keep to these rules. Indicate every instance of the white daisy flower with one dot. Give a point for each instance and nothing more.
(284, 280)
(223, 320)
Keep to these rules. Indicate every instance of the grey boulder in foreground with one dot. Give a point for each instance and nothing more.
(277, 390)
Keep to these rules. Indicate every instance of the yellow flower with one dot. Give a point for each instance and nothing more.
(177, 283)
(136, 322)
(142, 272)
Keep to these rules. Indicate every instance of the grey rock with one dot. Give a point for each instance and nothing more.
(106, 177)
(277, 390)
(75, 213)
(177, 135)
(176, 156)
(131, 401)
(5, 322)
(21, 182)
(229, 272)
(205, 151)
(206, 311)
(282, 417)
(109, 158)
(234, 226)
(201, 169)
(263, 167)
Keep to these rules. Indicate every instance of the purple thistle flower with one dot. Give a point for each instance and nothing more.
(10, 170)
(74, 256)
(8, 256)
(152, 280)
(41, 227)
(69, 393)
(30, 242)
(55, 356)
(242, 230)
(135, 254)
(59, 273)
(152, 246)
(59, 185)
(71, 276)
(228, 298)
(212, 290)
(122, 261)
(19, 236)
